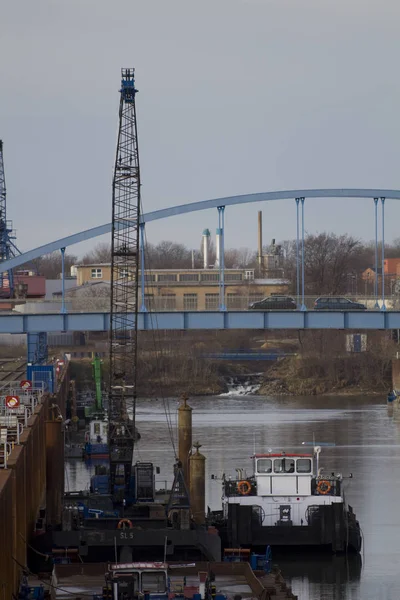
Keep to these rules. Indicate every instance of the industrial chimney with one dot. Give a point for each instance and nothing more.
(260, 256)
(206, 244)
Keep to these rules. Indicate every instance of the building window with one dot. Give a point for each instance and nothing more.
(167, 277)
(96, 273)
(209, 277)
(168, 301)
(149, 277)
(249, 274)
(189, 301)
(212, 301)
(234, 301)
(233, 276)
(123, 273)
(189, 277)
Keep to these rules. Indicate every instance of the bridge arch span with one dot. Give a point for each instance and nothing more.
(182, 209)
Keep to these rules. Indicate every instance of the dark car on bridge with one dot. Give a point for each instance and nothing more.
(275, 303)
(337, 303)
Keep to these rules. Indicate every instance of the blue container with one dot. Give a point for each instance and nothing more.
(41, 373)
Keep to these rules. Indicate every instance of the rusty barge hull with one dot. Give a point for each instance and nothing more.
(32, 485)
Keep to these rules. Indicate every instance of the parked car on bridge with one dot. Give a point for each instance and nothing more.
(337, 303)
(275, 303)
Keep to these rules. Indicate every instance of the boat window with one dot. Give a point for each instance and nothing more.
(128, 586)
(284, 465)
(96, 428)
(154, 582)
(303, 465)
(264, 465)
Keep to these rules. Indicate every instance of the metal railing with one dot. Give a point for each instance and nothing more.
(14, 420)
(27, 397)
(11, 423)
(210, 302)
(5, 451)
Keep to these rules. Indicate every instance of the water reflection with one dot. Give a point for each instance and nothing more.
(319, 568)
(367, 439)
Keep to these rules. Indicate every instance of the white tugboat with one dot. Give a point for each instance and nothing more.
(288, 501)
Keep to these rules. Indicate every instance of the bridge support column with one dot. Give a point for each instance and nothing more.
(221, 227)
(376, 253)
(36, 347)
(303, 306)
(63, 309)
(142, 278)
(297, 254)
(383, 307)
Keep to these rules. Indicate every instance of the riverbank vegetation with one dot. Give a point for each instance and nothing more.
(326, 363)
(313, 362)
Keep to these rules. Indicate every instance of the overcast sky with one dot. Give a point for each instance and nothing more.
(236, 96)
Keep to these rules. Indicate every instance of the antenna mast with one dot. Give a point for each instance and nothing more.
(124, 291)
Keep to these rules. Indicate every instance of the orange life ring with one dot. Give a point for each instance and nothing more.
(324, 487)
(123, 522)
(244, 487)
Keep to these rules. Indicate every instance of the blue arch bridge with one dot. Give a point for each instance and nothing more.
(381, 315)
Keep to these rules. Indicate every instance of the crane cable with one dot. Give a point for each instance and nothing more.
(161, 370)
(158, 352)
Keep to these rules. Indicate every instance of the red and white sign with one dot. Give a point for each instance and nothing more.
(25, 384)
(12, 401)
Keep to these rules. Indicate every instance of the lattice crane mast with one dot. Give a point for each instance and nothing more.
(7, 247)
(124, 292)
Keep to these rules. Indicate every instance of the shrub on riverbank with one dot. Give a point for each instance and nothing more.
(323, 365)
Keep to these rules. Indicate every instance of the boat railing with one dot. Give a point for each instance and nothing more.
(5, 449)
(329, 485)
(9, 415)
(28, 397)
(163, 485)
(12, 424)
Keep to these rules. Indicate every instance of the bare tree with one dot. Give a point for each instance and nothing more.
(328, 260)
(50, 265)
(167, 255)
(100, 254)
(240, 258)
(91, 297)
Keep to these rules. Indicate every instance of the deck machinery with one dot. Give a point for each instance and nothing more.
(124, 291)
(122, 511)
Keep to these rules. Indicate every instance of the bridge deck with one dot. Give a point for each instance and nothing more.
(99, 321)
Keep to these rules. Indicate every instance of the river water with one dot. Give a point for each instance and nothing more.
(367, 442)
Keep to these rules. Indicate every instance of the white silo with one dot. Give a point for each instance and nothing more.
(206, 246)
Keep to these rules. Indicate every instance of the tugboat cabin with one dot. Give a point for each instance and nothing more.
(283, 474)
(132, 580)
(288, 501)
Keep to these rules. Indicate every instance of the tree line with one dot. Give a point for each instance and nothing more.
(333, 263)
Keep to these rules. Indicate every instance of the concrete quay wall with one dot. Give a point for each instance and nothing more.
(33, 480)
